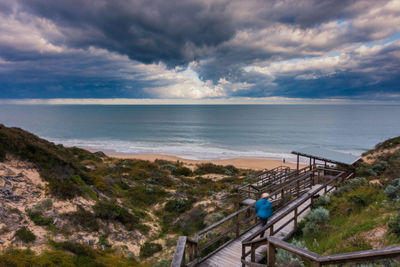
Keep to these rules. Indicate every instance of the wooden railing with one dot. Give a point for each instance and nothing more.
(269, 182)
(184, 245)
(210, 240)
(220, 234)
(319, 260)
(253, 242)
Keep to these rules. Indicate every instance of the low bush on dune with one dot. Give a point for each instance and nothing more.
(38, 219)
(178, 206)
(149, 249)
(182, 171)
(315, 220)
(25, 235)
(392, 191)
(217, 169)
(141, 195)
(108, 210)
(86, 219)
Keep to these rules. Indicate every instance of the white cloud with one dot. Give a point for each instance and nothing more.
(28, 33)
(315, 67)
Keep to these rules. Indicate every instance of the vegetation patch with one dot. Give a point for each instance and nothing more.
(149, 249)
(25, 235)
(217, 169)
(38, 219)
(86, 219)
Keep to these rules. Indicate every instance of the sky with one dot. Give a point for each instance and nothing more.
(81, 51)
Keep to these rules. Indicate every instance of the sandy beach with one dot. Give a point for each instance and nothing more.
(244, 163)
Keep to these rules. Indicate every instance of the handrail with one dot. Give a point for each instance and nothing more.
(208, 228)
(255, 243)
(248, 241)
(319, 260)
(196, 249)
(179, 256)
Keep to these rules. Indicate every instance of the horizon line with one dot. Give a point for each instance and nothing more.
(180, 101)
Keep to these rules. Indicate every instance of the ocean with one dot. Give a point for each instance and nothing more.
(209, 131)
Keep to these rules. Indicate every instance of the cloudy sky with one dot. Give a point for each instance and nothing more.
(200, 49)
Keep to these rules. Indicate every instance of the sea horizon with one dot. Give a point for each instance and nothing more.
(209, 132)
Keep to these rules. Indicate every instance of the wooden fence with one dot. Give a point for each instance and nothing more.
(269, 182)
(253, 242)
(215, 237)
(319, 260)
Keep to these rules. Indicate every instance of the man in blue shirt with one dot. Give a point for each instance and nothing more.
(264, 210)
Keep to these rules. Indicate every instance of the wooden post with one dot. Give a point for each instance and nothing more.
(298, 163)
(271, 255)
(253, 253)
(310, 164)
(295, 218)
(313, 163)
(237, 225)
(243, 255)
(271, 230)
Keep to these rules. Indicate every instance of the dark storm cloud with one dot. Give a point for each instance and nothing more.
(76, 48)
(178, 31)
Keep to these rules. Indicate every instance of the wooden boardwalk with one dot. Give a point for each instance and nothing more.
(230, 255)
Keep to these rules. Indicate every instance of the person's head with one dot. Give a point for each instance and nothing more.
(265, 195)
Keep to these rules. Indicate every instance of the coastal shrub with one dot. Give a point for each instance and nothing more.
(285, 258)
(315, 220)
(25, 235)
(111, 211)
(18, 257)
(379, 167)
(182, 171)
(37, 218)
(75, 248)
(394, 224)
(363, 196)
(323, 201)
(145, 195)
(350, 185)
(86, 219)
(65, 189)
(205, 168)
(392, 191)
(178, 206)
(149, 249)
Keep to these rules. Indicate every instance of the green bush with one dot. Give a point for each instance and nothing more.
(178, 205)
(145, 195)
(25, 235)
(111, 211)
(392, 191)
(363, 196)
(218, 169)
(182, 171)
(25, 258)
(86, 219)
(323, 201)
(65, 189)
(315, 220)
(38, 219)
(76, 248)
(148, 249)
(379, 167)
(394, 224)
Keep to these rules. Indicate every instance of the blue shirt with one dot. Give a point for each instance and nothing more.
(263, 208)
